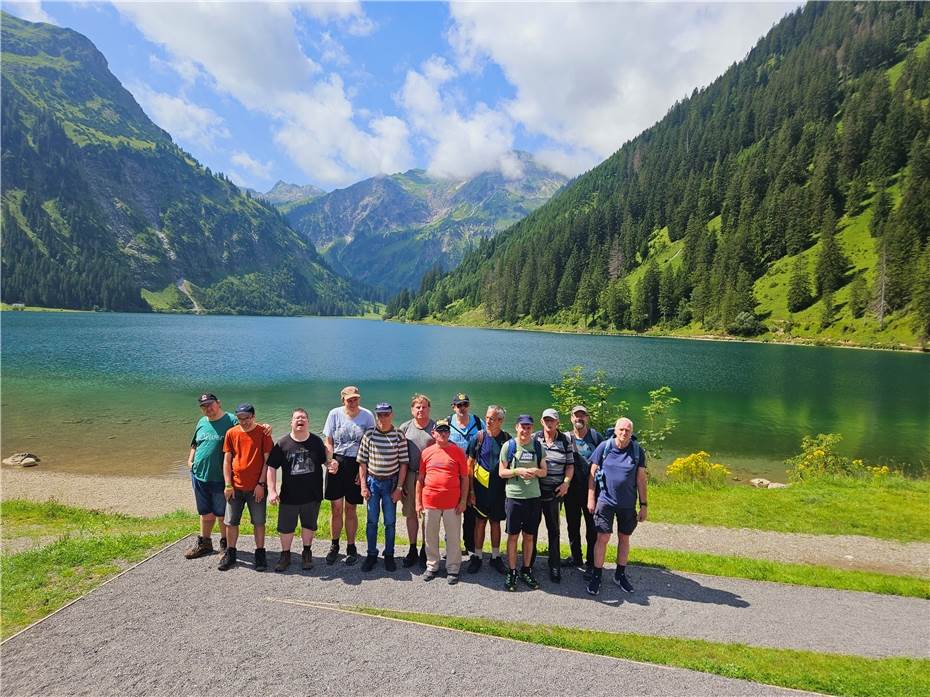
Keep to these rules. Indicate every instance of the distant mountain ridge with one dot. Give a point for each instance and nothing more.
(284, 195)
(389, 230)
(101, 209)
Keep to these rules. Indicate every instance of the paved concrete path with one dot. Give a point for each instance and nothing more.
(160, 628)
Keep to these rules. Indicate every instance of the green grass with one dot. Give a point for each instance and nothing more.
(6, 307)
(169, 299)
(803, 670)
(899, 509)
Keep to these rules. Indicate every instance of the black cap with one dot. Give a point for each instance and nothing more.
(383, 408)
(206, 398)
(442, 425)
(460, 398)
(245, 408)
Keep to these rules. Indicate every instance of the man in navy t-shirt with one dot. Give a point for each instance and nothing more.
(618, 465)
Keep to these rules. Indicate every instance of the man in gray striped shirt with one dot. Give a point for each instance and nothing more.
(382, 460)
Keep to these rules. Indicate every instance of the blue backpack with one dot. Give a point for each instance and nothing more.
(600, 479)
(512, 450)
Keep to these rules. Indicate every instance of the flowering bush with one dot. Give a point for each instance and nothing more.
(697, 467)
(818, 458)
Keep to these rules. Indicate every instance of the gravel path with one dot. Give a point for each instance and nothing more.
(160, 628)
(167, 494)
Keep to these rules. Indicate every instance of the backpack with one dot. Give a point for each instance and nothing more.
(475, 424)
(512, 450)
(600, 479)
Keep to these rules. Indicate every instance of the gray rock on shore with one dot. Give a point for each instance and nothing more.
(23, 460)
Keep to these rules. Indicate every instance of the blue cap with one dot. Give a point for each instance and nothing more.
(383, 408)
(245, 408)
(525, 419)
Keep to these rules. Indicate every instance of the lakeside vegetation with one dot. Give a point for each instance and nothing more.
(833, 674)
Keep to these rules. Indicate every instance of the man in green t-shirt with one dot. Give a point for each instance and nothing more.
(206, 465)
(522, 465)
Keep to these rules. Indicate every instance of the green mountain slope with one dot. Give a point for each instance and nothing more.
(815, 146)
(100, 207)
(388, 231)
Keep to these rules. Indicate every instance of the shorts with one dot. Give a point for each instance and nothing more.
(522, 516)
(344, 484)
(289, 512)
(238, 502)
(604, 519)
(409, 498)
(489, 500)
(209, 497)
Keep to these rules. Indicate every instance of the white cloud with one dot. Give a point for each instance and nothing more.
(331, 51)
(461, 145)
(259, 170)
(31, 11)
(589, 76)
(185, 69)
(251, 52)
(184, 120)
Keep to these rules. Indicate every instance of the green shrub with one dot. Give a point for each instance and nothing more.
(818, 458)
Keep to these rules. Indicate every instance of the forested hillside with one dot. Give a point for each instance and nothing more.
(790, 198)
(101, 209)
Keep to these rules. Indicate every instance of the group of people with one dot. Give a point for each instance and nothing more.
(459, 473)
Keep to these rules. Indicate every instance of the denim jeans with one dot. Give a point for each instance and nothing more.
(379, 500)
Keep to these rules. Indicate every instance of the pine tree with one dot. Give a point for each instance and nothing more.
(828, 310)
(881, 211)
(858, 295)
(921, 296)
(799, 286)
(831, 266)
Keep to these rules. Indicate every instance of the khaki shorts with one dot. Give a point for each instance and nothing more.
(409, 499)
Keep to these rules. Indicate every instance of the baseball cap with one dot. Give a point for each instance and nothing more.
(577, 408)
(442, 425)
(349, 391)
(207, 397)
(383, 408)
(245, 408)
(550, 414)
(525, 419)
(460, 398)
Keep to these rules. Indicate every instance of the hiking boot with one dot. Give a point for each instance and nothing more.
(429, 575)
(452, 579)
(474, 565)
(369, 562)
(261, 561)
(351, 555)
(333, 554)
(202, 547)
(284, 561)
(555, 574)
(229, 559)
(621, 580)
(389, 563)
(497, 564)
(510, 580)
(411, 558)
(594, 585)
(306, 559)
(526, 575)
(223, 544)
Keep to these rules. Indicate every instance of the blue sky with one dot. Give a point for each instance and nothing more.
(331, 93)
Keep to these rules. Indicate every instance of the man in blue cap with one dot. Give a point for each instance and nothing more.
(382, 460)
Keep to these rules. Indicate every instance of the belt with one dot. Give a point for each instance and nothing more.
(385, 478)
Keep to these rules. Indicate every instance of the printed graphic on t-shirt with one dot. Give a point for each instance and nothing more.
(527, 456)
(301, 462)
(348, 432)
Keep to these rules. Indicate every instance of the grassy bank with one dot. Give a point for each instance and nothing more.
(896, 509)
(802, 670)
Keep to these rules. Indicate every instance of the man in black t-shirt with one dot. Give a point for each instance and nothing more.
(300, 456)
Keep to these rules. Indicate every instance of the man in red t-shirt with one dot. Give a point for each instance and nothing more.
(442, 493)
(245, 470)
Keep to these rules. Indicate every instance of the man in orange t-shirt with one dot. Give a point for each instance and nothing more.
(246, 449)
(442, 492)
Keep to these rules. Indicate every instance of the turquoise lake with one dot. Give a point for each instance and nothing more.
(116, 393)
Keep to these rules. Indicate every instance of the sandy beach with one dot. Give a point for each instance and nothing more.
(141, 496)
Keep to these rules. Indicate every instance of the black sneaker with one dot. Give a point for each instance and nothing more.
(555, 574)
(369, 562)
(429, 575)
(389, 563)
(474, 565)
(588, 571)
(510, 580)
(452, 579)
(526, 575)
(261, 562)
(306, 559)
(284, 561)
(497, 564)
(351, 555)
(621, 580)
(228, 560)
(594, 584)
(411, 558)
(333, 554)
(202, 547)
(223, 544)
